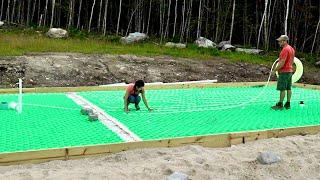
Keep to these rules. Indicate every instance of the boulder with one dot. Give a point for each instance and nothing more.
(204, 42)
(228, 47)
(222, 43)
(133, 38)
(178, 176)
(57, 33)
(175, 45)
(268, 157)
(249, 51)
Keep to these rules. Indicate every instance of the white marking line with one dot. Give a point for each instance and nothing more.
(112, 123)
(161, 83)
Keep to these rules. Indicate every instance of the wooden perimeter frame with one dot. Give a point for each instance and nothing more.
(220, 140)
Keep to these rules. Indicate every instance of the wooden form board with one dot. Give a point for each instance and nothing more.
(214, 141)
(122, 87)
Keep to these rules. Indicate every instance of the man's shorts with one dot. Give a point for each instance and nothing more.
(134, 99)
(284, 81)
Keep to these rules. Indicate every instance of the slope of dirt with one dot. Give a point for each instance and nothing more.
(70, 69)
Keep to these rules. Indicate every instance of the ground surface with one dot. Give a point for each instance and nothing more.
(300, 159)
(63, 69)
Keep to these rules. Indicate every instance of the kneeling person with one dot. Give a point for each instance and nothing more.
(132, 96)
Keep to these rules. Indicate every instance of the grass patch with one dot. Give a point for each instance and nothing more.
(20, 42)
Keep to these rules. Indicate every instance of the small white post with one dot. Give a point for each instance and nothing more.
(20, 97)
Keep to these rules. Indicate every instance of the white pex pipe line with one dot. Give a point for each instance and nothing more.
(19, 109)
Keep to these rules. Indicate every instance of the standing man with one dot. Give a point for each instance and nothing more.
(285, 71)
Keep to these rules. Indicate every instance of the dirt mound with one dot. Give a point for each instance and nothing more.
(69, 69)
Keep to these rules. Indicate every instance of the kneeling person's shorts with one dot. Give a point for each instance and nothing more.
(284, 81)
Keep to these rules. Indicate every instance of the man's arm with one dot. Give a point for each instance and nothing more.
(145, 100)
(125, 101)
(280, 65)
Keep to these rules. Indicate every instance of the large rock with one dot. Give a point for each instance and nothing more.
(134, 37)
(222, 43)
(250, 51)
(177, 45)
(317, 64)
(204, 42)
(1, 23)
(228, 47)
(57, 33)
(178, 176)
(268, 158)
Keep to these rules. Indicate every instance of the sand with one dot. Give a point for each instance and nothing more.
(300, 160)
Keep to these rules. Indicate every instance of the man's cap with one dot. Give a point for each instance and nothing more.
(283, 38)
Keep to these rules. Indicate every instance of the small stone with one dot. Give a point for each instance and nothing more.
(268, 158)
(86, 110)
(93, 117)
(178, 176)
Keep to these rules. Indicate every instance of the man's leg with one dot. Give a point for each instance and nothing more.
(289, 93)
(282, 96)
(137, 101)
(281, 86)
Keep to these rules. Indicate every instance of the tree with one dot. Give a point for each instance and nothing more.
(79, 14)
(286, 20)
(199, 19)
(150, 7)
(52, 12)
(45, 13)
(119, 15)
(99, 19)
(233, 10)
(168, 20)
(94, 3)
(1, 10)
(175, 18)
(315, 35)
(263, 21)
(105, 17)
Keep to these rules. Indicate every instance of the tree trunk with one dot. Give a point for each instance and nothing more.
(105, 17)
(286, 20)
(166, 34)
(182, 29)
(33, 9)
(99, 19)
(262, 22)
(199, 19)
(28, 12)
(119, 15)
(38, 16)
(189, 20)
(1, 10)
(52, 12)
(79, 14)
(175, 18)
(315, 35)
(71, 14)
(8, 12)
(232, 21)
(150, 6)
(218, 22)
(45, 13)
(94, 3)
(13, 10)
